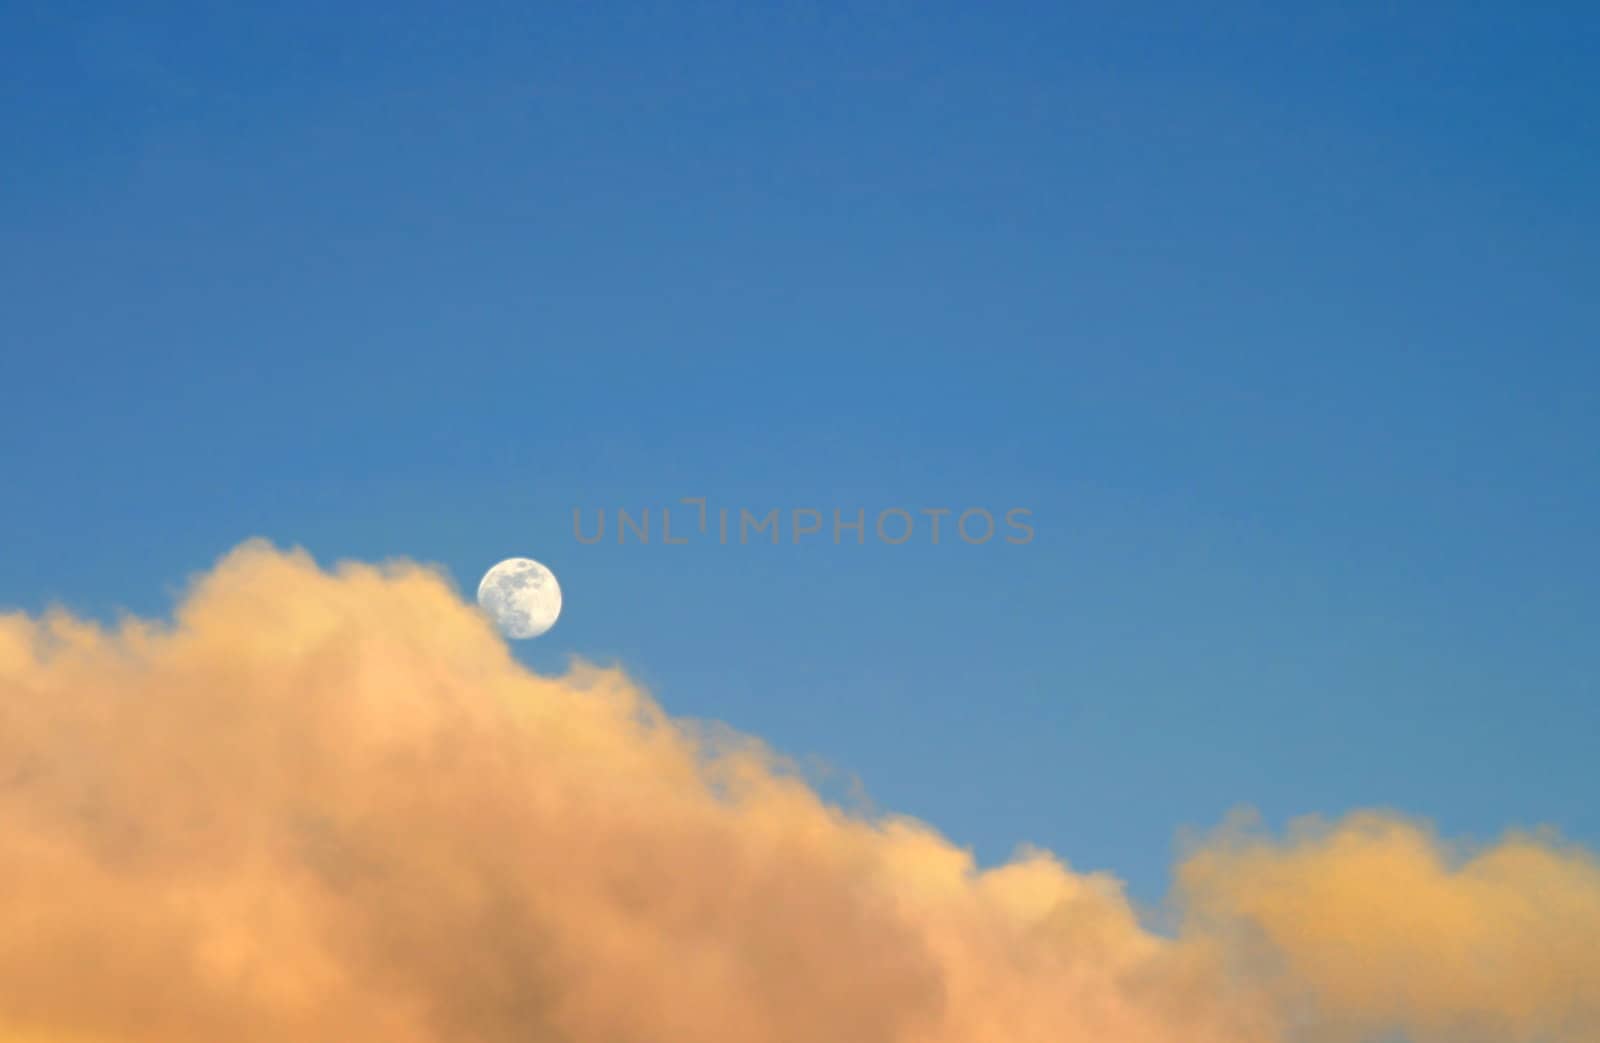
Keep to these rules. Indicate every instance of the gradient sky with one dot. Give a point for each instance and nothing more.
(1282, 326)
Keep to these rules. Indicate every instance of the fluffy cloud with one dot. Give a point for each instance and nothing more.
(326, 807)
(1374, 924)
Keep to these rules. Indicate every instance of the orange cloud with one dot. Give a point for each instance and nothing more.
(331, 807)
(1374, 924)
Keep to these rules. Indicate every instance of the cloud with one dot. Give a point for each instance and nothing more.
(1373, 924)
(330, 806)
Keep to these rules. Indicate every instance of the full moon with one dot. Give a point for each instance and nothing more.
(521, 596)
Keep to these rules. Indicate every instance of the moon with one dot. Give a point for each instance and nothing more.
(521, 596)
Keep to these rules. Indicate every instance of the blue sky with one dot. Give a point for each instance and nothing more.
(1282, 325)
